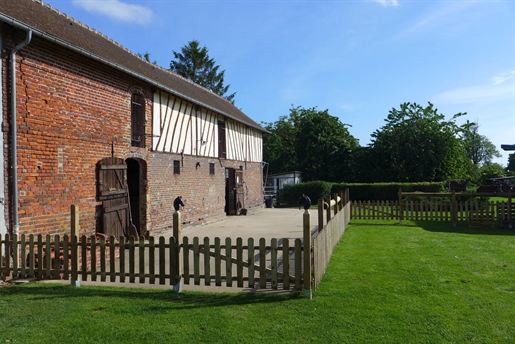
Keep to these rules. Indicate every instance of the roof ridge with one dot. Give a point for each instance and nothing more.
(126, 49)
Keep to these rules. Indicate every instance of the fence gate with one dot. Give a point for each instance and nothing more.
(112, 191)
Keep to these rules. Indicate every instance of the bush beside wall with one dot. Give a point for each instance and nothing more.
(291, 193)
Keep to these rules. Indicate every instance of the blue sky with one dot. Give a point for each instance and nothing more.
(358, 59)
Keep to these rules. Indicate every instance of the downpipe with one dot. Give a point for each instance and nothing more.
(14, 133)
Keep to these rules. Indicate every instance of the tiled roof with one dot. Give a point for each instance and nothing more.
(51, 24)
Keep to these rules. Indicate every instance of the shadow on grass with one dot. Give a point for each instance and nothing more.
(166, 298)
(438, 226)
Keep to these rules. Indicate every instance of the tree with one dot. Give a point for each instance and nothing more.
(510, 169)
(146, 57)
(194, 64)
(493, 170)
(417, 144)
(480, 149)
(313, 142)
(279, 146)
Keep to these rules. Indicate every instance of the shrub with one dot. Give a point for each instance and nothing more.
(291, 193)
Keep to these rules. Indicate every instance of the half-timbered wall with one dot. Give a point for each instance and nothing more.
(183, 128)
(243, 143)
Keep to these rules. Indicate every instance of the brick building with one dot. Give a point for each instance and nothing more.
(87, 122)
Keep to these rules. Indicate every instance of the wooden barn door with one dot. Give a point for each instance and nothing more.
(112, 191)
(240, 192)
(230, 193)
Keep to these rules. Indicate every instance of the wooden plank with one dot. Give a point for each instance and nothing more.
(196, 261)
(251, 261)
(141, 270)
(31, 256)
(23, 256)
(102, 259)
(228, 262)
(218, 263)
(262, 263)
(84, 257)
(66, 257)
(121, 260)
(162, 261)
(74, 247)
(207, 262)
(132, 258)
(239, 262)
(273, 262)
(14, 248)
(112, 259)
(186, 259)
(93, 257)
(113, 167)
(57, 257)
(286, 264)
(116, 208)
(48, 256)
(174, 256)
(298, 264)
(151, 260)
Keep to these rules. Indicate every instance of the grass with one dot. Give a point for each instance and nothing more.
(424, 282)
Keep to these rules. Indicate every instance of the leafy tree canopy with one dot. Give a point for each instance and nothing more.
(511, 164)
(481, 151)
(418, 144)
(313, 142)
(194, 64)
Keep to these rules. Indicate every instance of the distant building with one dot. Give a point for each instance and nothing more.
(275, 182)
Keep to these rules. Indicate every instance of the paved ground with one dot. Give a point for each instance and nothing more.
(265, 223)
(268, 223)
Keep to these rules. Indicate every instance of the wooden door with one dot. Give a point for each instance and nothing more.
(240, 192)
(112, 191)
(230, 191)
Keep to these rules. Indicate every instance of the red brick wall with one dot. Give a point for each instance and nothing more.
(204, 194)
(71, 112)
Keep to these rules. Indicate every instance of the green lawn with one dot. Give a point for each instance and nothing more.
(386, 283)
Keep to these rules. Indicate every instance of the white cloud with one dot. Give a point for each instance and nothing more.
(446, 17)
(118, 10)
(387, 3)
(498, 89)
(502, 78)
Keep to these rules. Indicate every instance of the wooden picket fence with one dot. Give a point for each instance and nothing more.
(329, 234)
(265, 265)
(285, 264)
(448, 208)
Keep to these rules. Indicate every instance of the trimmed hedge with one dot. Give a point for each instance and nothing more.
(290, 194)
(385, 191)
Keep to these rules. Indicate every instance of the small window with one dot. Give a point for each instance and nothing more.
(211, 168)
(138, 120)
(176, 167)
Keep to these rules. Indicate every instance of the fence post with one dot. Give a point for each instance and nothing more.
(320, 214)
(401, 210)
(308, 293)
(510, 225)
(328, 210)
(335, 197)
(75, 229)
(177, 287)
(454, 209)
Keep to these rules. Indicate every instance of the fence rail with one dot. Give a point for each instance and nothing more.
(273, 264)
(473, 212)
(288, 264)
